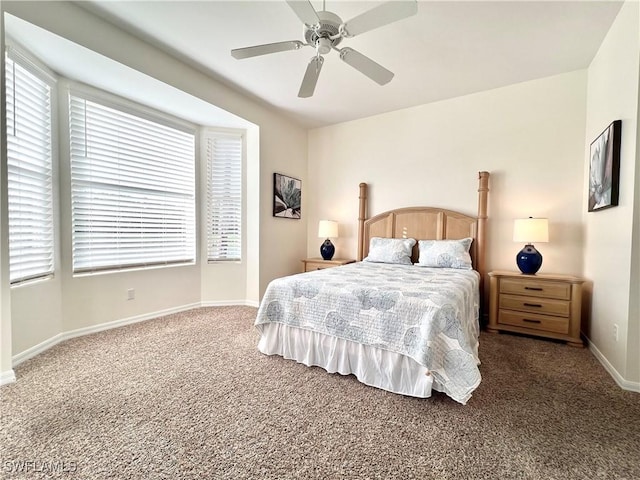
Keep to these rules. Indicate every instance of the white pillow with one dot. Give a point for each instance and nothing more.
(445, 253)
(390, 250)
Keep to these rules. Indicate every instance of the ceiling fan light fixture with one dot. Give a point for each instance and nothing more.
(323, 46)
(329, 27)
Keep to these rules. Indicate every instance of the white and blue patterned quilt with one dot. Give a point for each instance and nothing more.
(428, 314)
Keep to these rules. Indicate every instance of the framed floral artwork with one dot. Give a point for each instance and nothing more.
(604, 168)
(287, 196)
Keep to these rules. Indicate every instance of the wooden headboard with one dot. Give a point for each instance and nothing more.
(428, 223)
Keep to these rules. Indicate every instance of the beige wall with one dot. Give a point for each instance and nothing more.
(529, 136)
(610, 251)
(37, 313)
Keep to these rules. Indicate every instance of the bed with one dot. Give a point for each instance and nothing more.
(404, 317)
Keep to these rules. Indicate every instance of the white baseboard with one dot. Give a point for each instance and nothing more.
(7, 377)
(127, 321)
(47, 344)
(619, 379)
(245, 303)
(36, 349)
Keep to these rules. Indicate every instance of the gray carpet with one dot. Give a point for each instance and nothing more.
(189, 396)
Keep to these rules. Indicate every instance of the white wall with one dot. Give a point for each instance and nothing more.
(611, 254)
(281, 250)
(92, 300)
(529, 136)
(6, 372)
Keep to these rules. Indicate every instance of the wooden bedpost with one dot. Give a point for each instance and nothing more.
(483, 192)
(362, 216)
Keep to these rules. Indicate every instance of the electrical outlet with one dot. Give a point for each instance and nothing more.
(131, 294)
(615, 332)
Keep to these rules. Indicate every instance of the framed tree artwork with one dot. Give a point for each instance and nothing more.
(604, 168)
(287, 196)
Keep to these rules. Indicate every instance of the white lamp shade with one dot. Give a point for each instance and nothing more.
(328, 229)
(529, 230)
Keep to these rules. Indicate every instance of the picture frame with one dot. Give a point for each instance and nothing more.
(287, 196)
(604, 168)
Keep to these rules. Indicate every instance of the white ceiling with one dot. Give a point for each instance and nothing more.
(448, 49)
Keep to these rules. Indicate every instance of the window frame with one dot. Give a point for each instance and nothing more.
(20, 56)
(146, 113)
(213, 134)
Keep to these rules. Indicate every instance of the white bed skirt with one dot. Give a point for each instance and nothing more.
(372, 366)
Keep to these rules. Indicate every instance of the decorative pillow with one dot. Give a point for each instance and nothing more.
(445, 253)
(390, 250)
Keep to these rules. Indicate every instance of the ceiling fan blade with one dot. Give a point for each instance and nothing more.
(365, 65)
(265, 49)
(311, 77)
(305, 11)
(384, 14)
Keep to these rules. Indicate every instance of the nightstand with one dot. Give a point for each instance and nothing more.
(544, 305)
(318, 263)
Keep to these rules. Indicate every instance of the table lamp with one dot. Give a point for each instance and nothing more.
(326, 229)
(530, 230)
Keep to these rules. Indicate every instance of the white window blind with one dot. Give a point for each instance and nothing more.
(30, 173)
(224, 195)
(132, 189)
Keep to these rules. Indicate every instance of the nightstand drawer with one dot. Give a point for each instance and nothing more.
(534, 321)
(536, 288)
(544, 306)
(311, 264)
(317, 266)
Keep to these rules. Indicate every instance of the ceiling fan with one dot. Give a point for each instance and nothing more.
(324, 30)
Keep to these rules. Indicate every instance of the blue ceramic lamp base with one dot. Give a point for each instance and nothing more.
(529, 260)
(327, 250)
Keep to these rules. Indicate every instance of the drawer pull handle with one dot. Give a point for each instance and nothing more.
(530, 320)
(537, 305)
(537, 289)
